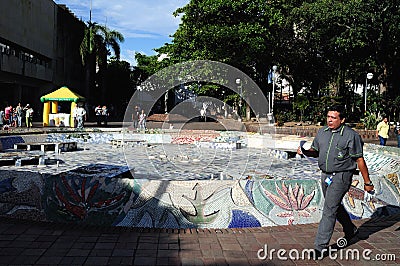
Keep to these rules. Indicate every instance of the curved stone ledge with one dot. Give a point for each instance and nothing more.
(108, 194)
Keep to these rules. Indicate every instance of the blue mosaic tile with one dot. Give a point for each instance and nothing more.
(354, 217)
(6, 185)
(248, 190)
(242, 219)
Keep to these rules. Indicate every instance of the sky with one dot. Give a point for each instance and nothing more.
(145, 24)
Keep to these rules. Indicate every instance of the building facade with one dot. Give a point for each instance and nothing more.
(39, 51)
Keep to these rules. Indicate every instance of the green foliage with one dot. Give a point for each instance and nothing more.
(370, 120)
(96, 46)
(239, 33)
(285, 116)
(301, 103)
(98, 40)
(320, 44)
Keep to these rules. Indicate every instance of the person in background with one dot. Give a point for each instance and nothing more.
(19, 112)
(1, 118)
(8, 115)
(142, 120)
(339, 150)
(74, 116)
(80, 116)
(382, 131)
(104, 114)
(397, 133)
(14, 122)
(28, 115)
(135, 117)
(98, 113)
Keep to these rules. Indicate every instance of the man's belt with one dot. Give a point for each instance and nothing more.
(354, 171)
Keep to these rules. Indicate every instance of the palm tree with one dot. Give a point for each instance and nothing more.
(96, 46)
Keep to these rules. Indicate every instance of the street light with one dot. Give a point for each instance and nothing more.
(274, 68)
(369, 77)
(239, 83)
(271, 77)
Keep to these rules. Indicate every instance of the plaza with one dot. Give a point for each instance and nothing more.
(180, 187)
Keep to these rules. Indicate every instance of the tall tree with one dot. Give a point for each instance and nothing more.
(96, 46)
(239, 33)
(323, 45)
(352, 38)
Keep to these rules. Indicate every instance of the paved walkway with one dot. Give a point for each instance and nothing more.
(35, 243)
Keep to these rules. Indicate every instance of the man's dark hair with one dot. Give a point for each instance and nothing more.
(340, 109)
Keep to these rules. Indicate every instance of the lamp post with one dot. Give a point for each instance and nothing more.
(274, 68)
(239, 84)
(369, 77)
(271, 77)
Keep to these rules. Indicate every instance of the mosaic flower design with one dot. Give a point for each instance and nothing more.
(79, 201)
(293, 200)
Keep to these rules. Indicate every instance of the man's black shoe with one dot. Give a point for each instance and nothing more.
(350, 236)
(318, 255)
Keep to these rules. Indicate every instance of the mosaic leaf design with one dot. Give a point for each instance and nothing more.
(79, 202)
(293, 200)
(199, 204)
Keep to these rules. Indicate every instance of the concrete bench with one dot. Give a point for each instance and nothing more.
(47, 146)
(124, 142)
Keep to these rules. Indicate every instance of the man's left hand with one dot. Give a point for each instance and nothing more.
(369, 188)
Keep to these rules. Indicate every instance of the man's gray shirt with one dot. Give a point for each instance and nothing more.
(338, 149)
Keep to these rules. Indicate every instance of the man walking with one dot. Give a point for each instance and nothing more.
(339, 150)
(382, 131)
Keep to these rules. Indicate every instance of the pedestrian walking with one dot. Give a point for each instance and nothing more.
(382, 131)
(339, 150)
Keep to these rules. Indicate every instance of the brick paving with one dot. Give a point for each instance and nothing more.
(40, 243)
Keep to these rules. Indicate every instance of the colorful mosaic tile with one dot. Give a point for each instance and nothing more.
(168, 185)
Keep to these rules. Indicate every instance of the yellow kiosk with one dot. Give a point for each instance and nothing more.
(54, 118)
